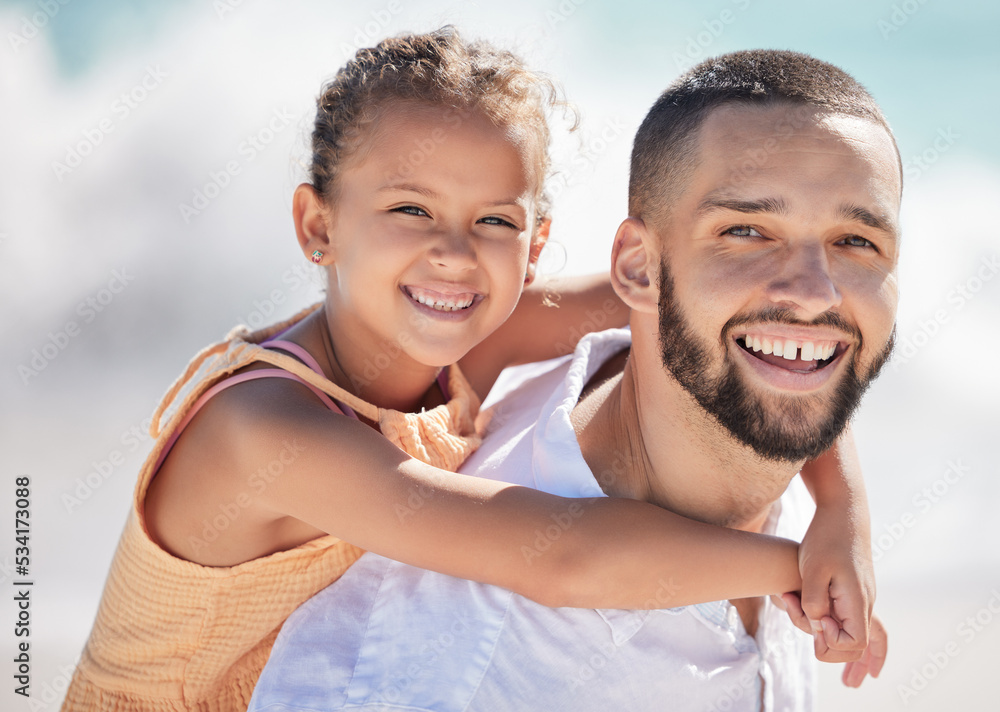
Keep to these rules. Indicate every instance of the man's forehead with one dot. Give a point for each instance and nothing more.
(782, 127)
(748, 153)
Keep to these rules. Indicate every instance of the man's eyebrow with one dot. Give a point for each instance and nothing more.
(763, 205)
(856, 213)
(848, 211)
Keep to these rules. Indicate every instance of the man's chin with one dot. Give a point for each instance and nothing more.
(781, 426)
(779, 443)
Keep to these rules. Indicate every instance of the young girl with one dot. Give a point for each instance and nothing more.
(425, 210)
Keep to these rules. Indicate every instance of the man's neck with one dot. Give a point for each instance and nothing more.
(655, 444)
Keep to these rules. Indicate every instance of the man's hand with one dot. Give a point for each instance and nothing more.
(868, 663)
(838, 584)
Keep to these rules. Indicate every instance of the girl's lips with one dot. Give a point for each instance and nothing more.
(451, 305)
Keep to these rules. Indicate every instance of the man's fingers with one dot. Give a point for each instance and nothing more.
(825, 652)
(852, 612)
(823, 631)
(846, 635)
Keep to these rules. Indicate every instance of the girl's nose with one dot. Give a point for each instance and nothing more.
(454, 250)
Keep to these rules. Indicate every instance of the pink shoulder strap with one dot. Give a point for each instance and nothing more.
(295, 349)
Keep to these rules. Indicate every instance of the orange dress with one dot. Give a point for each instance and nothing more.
(175, 635)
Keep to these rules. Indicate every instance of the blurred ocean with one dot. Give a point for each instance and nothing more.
(148, 152)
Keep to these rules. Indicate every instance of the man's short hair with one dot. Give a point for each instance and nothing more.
(664, 154)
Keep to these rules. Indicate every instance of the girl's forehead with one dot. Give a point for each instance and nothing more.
(443, 153)
(408, 135)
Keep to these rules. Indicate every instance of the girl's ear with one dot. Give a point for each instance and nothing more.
(537, 243)
(635, 266)
(311, 217)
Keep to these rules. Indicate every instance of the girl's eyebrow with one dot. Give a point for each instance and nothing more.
(512, 202)
(427, 192)
(411, 187)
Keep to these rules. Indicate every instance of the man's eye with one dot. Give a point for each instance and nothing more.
(409, 210)
(742, 231)
(494, 220)
(857, 241)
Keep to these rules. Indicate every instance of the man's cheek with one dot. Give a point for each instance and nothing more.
(880, 310)
(725, 287)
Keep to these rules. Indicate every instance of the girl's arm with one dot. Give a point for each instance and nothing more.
(342, 477)
(835, 557)
(607, 552)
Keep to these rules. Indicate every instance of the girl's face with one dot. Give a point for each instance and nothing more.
(430, 233)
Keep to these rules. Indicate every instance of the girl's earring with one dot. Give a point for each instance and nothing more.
(317, 257)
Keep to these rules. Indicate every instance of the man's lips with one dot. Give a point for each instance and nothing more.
(791, 358)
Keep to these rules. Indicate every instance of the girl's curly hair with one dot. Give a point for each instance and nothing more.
(440, 68)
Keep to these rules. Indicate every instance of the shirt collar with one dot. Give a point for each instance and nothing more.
(558, 464)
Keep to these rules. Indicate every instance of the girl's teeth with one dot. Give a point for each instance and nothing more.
(440, 304)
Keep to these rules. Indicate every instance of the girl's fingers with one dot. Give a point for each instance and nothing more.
(793, 607)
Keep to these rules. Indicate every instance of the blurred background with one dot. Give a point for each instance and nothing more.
(148, 153)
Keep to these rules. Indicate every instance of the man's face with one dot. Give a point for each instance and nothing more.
(777, 285)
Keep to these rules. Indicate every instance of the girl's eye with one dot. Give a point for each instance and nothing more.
(857, 241)
(410, 210)
(742, 231)
(494, 220)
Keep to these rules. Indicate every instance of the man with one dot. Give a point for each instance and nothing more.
(759, 264)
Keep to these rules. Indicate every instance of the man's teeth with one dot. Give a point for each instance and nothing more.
(443, 304)
(791, 349)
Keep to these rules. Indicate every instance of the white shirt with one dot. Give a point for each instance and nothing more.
(387, 636)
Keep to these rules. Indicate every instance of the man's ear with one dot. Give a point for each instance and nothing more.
(635, 266)
(311, 216)
(537, 243)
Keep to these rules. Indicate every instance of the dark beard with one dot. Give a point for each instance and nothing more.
(786, 429)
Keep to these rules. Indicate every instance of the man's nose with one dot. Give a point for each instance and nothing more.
(454, 249)
(804, 282)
